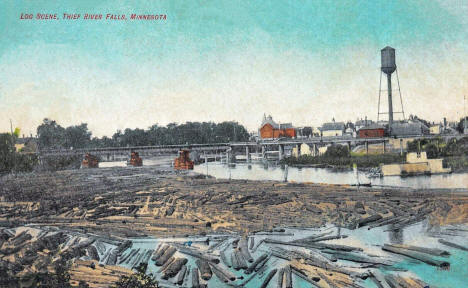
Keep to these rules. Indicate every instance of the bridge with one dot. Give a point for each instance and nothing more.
(265, 148)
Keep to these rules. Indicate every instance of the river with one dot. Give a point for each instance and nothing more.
(257, 171)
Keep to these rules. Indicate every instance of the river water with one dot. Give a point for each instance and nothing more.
(257, 171)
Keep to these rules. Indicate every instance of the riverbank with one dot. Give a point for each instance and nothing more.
(362, 161)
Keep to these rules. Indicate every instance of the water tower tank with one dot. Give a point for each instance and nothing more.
(388, 60)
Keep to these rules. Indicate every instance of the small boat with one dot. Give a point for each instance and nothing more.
(90, 161)
(183, 162)
(135, 160)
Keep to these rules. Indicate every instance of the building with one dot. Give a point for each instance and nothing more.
(26, 144)
(270, 129)
(333, 129)
(410, 128)
(372, 131)
(362, 123)
(436, 129)
(416, 164)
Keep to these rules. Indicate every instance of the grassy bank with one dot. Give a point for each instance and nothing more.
(457, 163)
(364, 161)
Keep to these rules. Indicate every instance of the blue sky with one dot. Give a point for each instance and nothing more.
(301, 61)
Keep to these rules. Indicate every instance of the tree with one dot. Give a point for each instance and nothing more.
(77, 136)
(337, 151)
(50, 134)
(137, 280)
(7, 152)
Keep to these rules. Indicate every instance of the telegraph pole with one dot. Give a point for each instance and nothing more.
(465, 131)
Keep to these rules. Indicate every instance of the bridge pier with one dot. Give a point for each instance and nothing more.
(281, 151)
(247, 154)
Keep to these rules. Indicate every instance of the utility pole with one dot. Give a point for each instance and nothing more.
(465, 131)
(11, 127)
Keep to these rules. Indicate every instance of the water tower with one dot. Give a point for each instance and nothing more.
(388, 67)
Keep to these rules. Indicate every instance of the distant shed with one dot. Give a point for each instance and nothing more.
(372, 131)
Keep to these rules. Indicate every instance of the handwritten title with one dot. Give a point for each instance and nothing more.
(97, 17)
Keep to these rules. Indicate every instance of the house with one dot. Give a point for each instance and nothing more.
(410, 128)
(362, 123)
(436, 129)
(372, 131)
(270, 129)
(416, 164)
(333, 129)
(26, 144)
(304, 149)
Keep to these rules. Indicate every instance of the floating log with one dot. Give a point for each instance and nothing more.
(416, 255)
(204, 268)
(309, 238)
(315, 245)
(349, 256)
(252, 266)
(92, 252)
(129, 256)
(221, 276)
(301, 274)
(244, 250)
(123, 246)
(261, 264)
(234, 243)
(431, 251)
(160, 252)
(268, 278)
(197, 254)
(235, 263)
(240, 259)
(174, 268)
(366, 220)
(195, 279)
(169, 262)
(450, 244)
(280, 278)
(325, 238)
(112, 258)
(288, 276)
(379, 279)
(224, 259)
(227, 274)
(252, 243)
(181, 275)
(165, 256)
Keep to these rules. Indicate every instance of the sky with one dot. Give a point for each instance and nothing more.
(303, 62)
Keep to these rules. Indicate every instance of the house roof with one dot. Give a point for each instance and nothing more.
(372, 126)
(333, 126)
(409, 128)
(24, 140)
(269, 120)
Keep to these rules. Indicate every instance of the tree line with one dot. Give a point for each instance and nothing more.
(51, 135)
